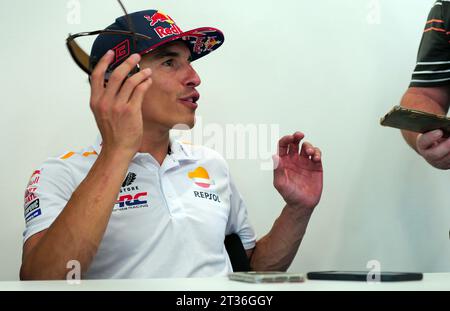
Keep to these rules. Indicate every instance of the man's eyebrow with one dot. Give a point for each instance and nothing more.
(168, 53)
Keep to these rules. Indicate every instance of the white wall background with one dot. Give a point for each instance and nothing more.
(328, 68)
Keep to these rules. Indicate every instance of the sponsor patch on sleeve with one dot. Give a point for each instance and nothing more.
(31, 201)
(32, 210)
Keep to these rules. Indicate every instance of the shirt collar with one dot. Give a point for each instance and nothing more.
(179, 150)
(98, 144)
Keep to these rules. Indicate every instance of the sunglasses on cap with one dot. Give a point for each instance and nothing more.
(82, 59)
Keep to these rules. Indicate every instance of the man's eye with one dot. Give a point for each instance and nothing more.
(168, 62)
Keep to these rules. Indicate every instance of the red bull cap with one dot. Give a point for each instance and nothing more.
(161, 29)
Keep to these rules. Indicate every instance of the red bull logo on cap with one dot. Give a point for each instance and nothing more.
(164, 32)
(202, 43)
(159, 17)
(211, 43)
(161, 31)
(198, 46)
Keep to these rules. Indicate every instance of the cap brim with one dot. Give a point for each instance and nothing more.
(201, 41)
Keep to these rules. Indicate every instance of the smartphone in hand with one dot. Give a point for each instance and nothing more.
(415, 120)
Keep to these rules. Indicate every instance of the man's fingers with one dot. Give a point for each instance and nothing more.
(437, 152)
(427, 140)
(139, 92)
(119, 74)
(311, 153)
(285, 142)
(317, 157)
(294, 145)
(307, 150)
(98, 76)
(131, 83)
(283, 145)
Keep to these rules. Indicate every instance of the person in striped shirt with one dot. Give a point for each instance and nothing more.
(429, 89)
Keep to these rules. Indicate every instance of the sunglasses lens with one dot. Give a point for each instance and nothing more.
(79, 56)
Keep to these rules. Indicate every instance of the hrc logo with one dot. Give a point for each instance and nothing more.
(128, 200)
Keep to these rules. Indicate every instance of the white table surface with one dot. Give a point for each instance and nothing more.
(431, 281)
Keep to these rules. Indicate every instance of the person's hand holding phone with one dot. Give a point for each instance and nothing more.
(434, 148)
(116, 104)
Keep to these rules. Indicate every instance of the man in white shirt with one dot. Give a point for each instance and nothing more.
(137, 204)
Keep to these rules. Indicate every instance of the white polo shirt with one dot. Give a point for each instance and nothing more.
(168, 221)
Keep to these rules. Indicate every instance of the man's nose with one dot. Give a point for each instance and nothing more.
(192, 78)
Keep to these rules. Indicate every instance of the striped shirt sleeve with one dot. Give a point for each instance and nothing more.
(433, 59)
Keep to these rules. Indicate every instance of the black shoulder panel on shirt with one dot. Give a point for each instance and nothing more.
(433, 57)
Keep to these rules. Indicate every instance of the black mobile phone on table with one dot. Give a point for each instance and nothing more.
(363, 276)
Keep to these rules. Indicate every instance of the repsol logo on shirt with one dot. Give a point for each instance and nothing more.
(207, 196)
